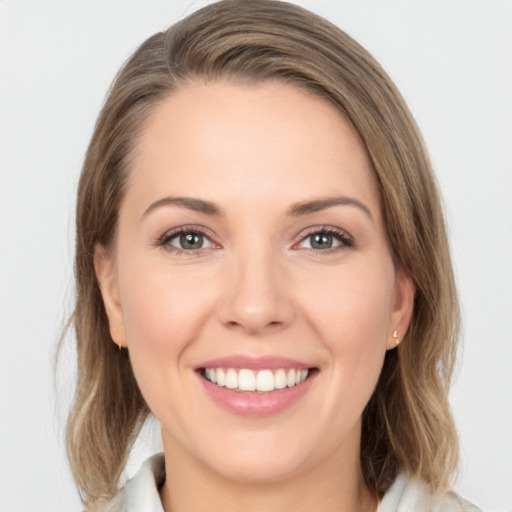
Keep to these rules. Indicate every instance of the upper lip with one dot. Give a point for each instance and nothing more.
(254, 363)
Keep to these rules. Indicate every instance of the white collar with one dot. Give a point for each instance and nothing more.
(141, 493)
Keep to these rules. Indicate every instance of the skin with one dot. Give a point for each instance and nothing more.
(255, 287)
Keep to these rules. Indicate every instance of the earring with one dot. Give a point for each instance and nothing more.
(395, 337)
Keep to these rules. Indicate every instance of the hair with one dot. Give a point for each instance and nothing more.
(407, 424)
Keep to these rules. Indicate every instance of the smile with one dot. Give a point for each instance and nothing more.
(256, 387)
(263, 381)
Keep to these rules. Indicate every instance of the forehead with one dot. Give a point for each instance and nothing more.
(269, 140)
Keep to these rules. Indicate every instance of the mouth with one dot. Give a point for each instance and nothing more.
(256, 387)
(261, 381)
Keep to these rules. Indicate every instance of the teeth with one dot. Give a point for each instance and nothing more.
(265, 381)
(211, 375)
(221, 376)
(280, 379)
(246, 380)
(249, 380)
(231, 379)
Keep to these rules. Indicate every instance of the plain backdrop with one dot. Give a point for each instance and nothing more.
(452, 60)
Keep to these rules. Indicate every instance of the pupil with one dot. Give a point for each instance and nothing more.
(191, 241)
(321, 241)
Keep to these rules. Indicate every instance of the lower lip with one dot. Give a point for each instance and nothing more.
(253, 403)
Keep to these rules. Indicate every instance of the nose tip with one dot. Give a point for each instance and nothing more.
(256, 300)
(254, 321)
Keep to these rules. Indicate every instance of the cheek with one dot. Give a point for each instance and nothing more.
(352, 320)
(154, 316)
(163, 314)
(162, 309)
(353, 307)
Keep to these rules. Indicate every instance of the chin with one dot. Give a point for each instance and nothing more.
(261, 470)
(260, 459)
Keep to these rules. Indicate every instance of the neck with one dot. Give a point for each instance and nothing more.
(336, 484)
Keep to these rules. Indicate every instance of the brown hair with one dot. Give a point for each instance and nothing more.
(407, 425)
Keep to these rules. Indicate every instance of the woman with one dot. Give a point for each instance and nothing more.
(260, 234)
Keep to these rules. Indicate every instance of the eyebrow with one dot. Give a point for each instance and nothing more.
(196, 205)
(316, 205)
(296, 210)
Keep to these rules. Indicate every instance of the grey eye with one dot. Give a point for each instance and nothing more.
(185, 240)
(326, 238)
(321, 241)
(191, 241)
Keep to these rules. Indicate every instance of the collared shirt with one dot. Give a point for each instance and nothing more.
(141, 494)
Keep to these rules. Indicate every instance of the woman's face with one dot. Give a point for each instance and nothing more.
(251, 251)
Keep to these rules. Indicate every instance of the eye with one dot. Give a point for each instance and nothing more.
(326, 238)
(185, 239)
(190, 240)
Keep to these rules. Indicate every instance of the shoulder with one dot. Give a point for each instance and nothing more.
(141, 493)
(407, 495)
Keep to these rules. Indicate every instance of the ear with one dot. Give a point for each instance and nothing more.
(107, 280)
(402, 309)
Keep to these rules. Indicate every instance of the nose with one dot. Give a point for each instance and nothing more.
(257, 298)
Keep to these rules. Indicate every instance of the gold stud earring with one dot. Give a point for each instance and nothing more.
(395, 337)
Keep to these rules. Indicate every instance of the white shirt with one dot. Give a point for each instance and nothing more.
(140, 494)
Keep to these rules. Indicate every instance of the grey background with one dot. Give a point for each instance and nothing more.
(452, 59)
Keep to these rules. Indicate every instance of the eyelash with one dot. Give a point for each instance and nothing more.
(344, 239)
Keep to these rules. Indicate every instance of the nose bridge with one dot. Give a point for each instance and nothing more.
(256, 295)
